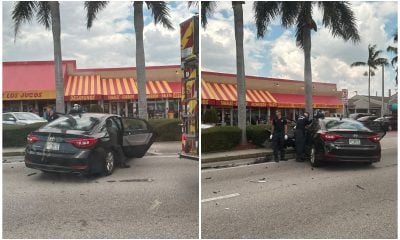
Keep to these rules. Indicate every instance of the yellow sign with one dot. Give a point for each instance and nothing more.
(29, 95)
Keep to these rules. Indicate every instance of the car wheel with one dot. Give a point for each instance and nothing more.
(313, 158)
(109, 163)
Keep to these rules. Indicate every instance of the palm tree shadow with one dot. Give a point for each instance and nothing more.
(346, 166)
(66, 178)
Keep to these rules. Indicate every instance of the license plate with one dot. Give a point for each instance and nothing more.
(354, 141)
(52, 146)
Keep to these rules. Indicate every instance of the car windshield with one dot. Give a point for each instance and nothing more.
(337, 124)
(27, 116)
(68, 122)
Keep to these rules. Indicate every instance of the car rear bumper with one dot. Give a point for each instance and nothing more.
(82, 169)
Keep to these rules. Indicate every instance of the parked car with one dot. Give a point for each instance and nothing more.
(81, 143)
(343, 140)
(367, 118)
(22, 118)
(356, 116)
(390, 122)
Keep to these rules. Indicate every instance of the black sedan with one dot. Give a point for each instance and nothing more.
(81, 143)
(335, 139)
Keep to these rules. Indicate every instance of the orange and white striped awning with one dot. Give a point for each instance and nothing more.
(83, 88)
(160, 89)
(208, 96)
(226, 94)
(119, 88)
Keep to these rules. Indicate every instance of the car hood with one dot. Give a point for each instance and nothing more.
(31, 121)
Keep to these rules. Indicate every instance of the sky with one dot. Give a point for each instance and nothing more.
(109, 43)
(276, 55)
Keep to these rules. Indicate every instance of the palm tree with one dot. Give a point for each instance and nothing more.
(372, 62)
(393, 50)
(160, 13)
(337, 16)
(207, 9)
(47, 14)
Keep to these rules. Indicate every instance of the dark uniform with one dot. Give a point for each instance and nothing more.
(300, 135)
(278, 138)
(114, 144)
(52, 117)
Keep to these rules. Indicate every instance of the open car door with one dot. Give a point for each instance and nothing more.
(138, 136)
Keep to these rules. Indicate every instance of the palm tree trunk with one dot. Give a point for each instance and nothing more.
(140, 59)
(240, 71)
(56, 29)
(307, 69)
(369, 88)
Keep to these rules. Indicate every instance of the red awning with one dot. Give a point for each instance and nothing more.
(298, 101)
(29, 80)
(83, 88)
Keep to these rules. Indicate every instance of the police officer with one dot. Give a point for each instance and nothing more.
(300, 135)
(76, 109)
(51, 115)
(279, 135)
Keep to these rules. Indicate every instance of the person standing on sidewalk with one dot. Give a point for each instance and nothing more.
(300, 136)
(279, 135)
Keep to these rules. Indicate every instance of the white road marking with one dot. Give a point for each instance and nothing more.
(220, 197)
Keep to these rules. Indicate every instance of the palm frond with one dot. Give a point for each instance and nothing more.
(376, 54)
(381, 61)
(289, 11)
(304, 20)
(207, 9)
(394, 61)
(43, 15)
(193, 4)
(392, 49)
(265, 12)
(92, 9)
(358, 64)
(340, 19)
(22, 12)
(160, 13)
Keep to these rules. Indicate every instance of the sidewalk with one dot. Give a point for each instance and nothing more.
(158, 148)
(240, 157)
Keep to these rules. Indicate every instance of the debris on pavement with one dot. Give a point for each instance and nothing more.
(208, 177)
(262, 180)
(30, 174)
(137, 180)
(360, 187)
(215, 192)
(111, 181)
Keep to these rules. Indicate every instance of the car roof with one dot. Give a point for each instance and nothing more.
(98, 115)
(17, 112)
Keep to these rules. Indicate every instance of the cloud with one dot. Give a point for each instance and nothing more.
(279, 56)
(109, 43)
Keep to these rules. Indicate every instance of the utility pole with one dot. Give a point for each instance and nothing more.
(383, 89)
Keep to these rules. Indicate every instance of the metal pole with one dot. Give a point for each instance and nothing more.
(383, 89)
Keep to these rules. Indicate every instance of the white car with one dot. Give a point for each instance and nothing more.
(22, 118)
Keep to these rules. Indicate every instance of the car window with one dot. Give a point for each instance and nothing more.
(337, 124)
(6, 116)
(68, 122)
(27, 116)
(134, 124)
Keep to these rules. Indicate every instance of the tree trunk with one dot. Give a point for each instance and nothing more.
(383, 90)
(56, 29)
(240, 71)
(369, 88)
(140, 59)
(307, 70)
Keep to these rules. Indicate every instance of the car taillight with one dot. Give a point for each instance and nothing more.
(83, 142)
(374, 138)
(330, 136)
(32, 138)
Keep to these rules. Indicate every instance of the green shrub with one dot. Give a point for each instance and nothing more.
(167, 129)
(210, 116)
(96, 109)
(219, 138)
(15, 135)
(258, 134)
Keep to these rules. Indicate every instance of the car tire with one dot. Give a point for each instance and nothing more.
(314, 161)
(109, 163)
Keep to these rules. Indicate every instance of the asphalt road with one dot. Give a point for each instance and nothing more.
(157, 198)
(293, 200)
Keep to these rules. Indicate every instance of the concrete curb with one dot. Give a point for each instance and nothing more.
(243, 159)
(13, 154)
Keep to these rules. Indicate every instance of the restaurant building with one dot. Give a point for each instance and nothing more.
(264, 96)
(30, 86)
